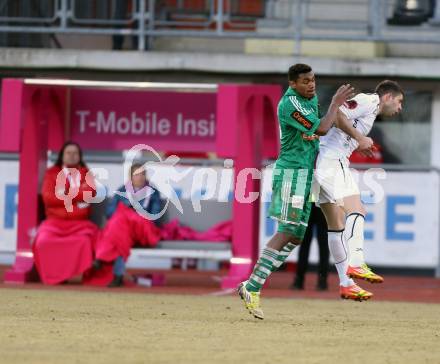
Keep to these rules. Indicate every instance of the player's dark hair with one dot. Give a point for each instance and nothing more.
(59, 161)
(297, 69)
(388, 86)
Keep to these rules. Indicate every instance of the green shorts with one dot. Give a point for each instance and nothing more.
(291, 203)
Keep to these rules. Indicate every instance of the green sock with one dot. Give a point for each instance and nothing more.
(270, 260)
(285, 252)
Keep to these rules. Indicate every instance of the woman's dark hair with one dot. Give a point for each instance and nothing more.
(59, 161)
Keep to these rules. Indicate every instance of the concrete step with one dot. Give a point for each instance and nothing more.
(192, 44)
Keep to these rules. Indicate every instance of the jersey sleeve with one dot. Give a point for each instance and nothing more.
(358, 106)
(301, 118)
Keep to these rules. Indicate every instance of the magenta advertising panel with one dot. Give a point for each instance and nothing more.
(165, 120)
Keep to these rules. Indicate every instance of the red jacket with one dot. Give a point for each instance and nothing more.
(55, 207)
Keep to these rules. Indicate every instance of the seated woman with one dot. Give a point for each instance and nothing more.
(125, 226)
(63, 246)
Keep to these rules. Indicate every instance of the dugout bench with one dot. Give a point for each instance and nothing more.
(208, 253)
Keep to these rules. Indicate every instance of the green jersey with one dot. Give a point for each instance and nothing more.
(299, 118)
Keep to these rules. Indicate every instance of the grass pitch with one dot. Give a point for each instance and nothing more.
(56, 326)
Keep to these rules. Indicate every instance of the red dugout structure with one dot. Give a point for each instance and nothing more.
(234, 121)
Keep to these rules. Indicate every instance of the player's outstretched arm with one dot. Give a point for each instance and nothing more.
(343, 93)
(365, 143)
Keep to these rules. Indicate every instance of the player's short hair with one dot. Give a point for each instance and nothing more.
(297, 69)
(388, 86)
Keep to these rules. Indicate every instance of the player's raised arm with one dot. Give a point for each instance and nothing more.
(365, 143)
(343, 93)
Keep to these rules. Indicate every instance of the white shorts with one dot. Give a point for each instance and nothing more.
(333, 181)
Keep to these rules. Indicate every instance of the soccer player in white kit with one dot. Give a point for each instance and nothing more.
(338, 194)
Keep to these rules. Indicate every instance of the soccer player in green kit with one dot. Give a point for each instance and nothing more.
(300, 124)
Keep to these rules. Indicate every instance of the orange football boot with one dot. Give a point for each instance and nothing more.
(365, 273)
(354, 292)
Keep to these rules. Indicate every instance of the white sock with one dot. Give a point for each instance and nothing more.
(339, 253)
(354, 236)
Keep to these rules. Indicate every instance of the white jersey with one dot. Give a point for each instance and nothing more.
(362, 111)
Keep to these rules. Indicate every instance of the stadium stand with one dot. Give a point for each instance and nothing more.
(204, 25)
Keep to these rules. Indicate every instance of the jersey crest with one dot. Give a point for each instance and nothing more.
(309, 137)
(351, 104)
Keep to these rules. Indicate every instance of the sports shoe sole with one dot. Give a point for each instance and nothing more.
(239, 287)
(371, 280)
(358, 298)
